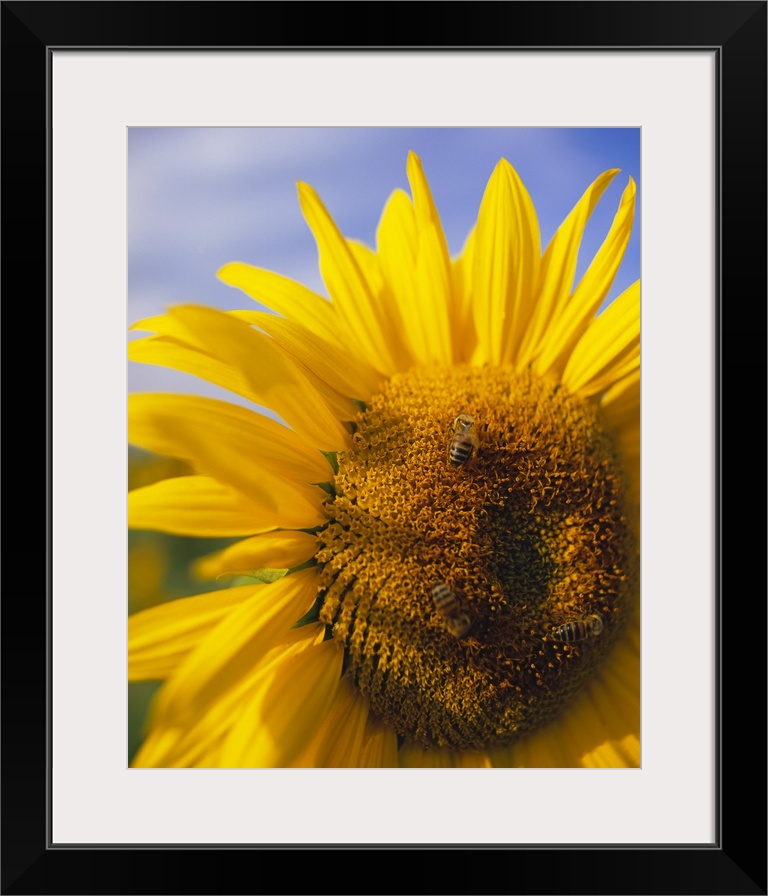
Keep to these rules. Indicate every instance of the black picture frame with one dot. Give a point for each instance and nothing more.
(736, 862)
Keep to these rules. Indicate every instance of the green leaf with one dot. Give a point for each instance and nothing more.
(312, 614)
(332, 459)
(264, 576)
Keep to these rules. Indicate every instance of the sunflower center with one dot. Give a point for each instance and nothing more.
(479, 562)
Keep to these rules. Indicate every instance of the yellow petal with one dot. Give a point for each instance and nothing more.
(223, 440)
(379, 746)
(159, 638)
(292, 701)
(620, 406)
(413, 755)
(188, 357)
(433, 276)
(629, 442)
(433, 288)
(222, 348)
(165, 351)
(286, 297)
(202, 506)
(349, 290)
(339, 739)
(350, 737)
(566, 328)
(615, 754)
(387, 309)
(349, 375)
(500, 757)
(192, 505)
(299, 397)
(609, 349)
(368, 263)
(275, 550)
(559, 267)
(162, 325)
(507, 260)
(462, 319)
(542, 751)
(397, 246)
(472, 759)
(621, 403)
(156, 746)
(232, 649)
(199, 743)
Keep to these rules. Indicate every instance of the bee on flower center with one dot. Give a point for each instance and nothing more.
(579, 630)
(455, 620)
(464, 440)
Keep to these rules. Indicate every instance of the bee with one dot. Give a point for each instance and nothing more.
(579, 630)
(464, 440)
(455, 620)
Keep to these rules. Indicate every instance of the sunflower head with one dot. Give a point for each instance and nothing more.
(451, 511)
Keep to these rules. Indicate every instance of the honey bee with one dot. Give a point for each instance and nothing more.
(464, 440)
(579, 630)
(455, 620)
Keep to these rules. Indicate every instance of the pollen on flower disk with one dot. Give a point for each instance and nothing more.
(530, 534)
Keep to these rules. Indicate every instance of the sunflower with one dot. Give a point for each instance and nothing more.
(437, 554)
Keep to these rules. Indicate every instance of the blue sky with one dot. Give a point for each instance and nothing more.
(201, 197)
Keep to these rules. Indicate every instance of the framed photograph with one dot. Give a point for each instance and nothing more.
(456, 203)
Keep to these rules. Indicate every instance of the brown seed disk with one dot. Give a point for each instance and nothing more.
(532, 532)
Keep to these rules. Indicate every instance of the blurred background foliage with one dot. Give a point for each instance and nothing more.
(160, 568)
